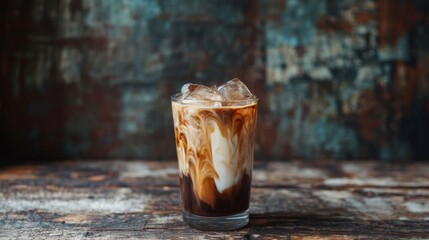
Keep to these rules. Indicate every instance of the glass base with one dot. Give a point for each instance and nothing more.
(224, 223)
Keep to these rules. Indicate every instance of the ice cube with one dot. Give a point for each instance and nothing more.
(204, 93)
(235, 90)
(189, 87)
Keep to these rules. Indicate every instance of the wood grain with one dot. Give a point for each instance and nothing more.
(140, 199)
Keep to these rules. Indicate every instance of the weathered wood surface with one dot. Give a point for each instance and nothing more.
(290, 200)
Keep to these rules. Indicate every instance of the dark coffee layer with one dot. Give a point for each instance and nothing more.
(232, 200)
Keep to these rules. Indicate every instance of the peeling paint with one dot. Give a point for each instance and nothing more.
(119, 202)
(417, 207)
(373, 181)
(135, 170)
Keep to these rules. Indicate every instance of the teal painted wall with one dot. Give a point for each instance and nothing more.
(336, 79)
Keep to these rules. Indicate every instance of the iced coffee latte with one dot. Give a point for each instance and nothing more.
(214, 129)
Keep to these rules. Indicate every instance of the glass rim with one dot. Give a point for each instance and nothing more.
(234, 103)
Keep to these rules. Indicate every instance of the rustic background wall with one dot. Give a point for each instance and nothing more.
(336, 79)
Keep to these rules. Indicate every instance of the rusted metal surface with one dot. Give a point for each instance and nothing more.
(336, 79)
(140, 199)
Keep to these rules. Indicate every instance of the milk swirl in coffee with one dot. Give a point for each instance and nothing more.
(214, 130)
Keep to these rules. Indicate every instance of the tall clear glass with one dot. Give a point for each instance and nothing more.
(215, 145)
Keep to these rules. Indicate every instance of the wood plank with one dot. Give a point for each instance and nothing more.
(117, 199)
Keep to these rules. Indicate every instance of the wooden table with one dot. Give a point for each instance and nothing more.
(140, 199)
